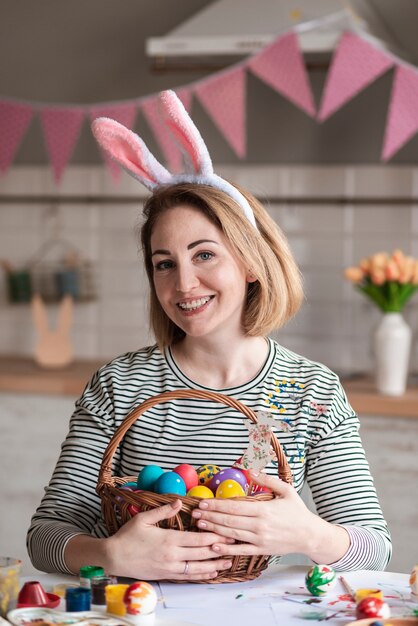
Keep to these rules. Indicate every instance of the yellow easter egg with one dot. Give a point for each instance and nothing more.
(200, 491)
(206, 472)
(229, 489)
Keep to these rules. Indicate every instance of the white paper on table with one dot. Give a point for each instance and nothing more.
(218, 617)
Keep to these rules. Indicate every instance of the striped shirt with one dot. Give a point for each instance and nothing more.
(316, 427)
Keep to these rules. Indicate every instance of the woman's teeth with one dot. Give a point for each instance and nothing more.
(194, 304)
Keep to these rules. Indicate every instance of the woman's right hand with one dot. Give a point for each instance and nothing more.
(144, 551)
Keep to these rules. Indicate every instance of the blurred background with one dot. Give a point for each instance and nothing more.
(64, 213)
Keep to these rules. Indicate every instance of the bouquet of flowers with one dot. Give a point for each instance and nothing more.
(388, 280)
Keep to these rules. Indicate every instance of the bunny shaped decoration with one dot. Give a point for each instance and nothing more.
(127, 149)
(53, 348)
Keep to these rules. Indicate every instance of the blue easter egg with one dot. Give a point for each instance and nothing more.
(170, 482)
(230, 473)
(148, 476)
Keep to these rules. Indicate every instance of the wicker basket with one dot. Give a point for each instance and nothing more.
(115, 501)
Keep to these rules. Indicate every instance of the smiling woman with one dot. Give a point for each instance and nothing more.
(221, 277)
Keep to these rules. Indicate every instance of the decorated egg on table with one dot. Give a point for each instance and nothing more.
(230, 473)
(206, 472)
(148, 476)
(320, 579)
(200, 491)
(133, 509)
(188, 474)
(413, 582)
(372, 607)
(140, 598)
(229, 489)
(170, 482)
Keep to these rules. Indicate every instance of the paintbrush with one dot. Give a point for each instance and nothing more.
(348, 588)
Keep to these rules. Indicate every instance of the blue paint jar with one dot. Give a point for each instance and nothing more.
(77, 599)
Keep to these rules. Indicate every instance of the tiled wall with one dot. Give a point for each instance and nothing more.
(335, 323)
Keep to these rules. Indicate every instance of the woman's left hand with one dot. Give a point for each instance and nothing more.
(278, 526)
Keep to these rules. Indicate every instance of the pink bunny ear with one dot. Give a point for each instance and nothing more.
(127, 149)
(186, 133)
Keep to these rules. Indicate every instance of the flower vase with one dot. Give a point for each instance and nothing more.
(392, 346)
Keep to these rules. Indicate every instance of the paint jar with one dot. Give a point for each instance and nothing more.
(9, 583)
(98, 586)
(77, 599)
(114, 599)
(60, 589)
(19, 287)
(87, 572)
(67, 283)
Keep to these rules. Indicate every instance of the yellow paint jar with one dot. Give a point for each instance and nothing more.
(360, 594)
(9, 583)
(114, 599)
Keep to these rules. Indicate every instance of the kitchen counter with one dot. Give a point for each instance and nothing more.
(22, 375)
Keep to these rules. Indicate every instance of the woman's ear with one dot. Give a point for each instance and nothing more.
(250, 277)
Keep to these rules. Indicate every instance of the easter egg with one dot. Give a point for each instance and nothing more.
(140, 598)
(170, 482)
(148, 476)
(206, 472)
(320, 579)
(255, 488)
(372, 607)
(229, 489)
(133, 509)
(413, 582)
(188, 474)
(230, 473)
(200, 491)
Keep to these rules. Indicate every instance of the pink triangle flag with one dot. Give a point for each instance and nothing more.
(281, 66)
(223, 97)
(14, 121)
(169, 148)
(124, 114)
(355, 65)
(61, 128)
(402, 121)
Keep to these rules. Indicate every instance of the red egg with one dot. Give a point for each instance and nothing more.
(372, 607)
(188, 474)
(133, 509)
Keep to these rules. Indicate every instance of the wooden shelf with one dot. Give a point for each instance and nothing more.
(22, 375)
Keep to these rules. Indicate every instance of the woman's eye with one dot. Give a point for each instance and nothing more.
(163, 265)
(205, 256)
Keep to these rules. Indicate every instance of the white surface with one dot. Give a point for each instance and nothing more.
(262, 601)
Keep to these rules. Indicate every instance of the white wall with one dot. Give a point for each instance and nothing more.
(335, 323)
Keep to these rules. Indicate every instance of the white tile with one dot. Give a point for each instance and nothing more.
(317, 181)
(316, 319)
(124, 313)
(383, 181)
(123, 279)
(382, 219)
(116, 342)
(323, 284)
(119, 245)
(295, 218)
(124, 216)
(366, 245)
(317, 251)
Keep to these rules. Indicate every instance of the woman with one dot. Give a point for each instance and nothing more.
(222, 278)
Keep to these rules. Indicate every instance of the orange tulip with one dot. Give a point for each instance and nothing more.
(392, 270)
(353, 274)
(378, 276)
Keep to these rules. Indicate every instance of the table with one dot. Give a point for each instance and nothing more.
(273, 599)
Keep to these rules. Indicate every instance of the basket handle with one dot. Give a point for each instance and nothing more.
(105, 473)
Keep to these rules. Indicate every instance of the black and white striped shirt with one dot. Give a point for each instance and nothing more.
(316, 427)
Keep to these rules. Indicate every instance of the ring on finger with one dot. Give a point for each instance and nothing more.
(186, 568)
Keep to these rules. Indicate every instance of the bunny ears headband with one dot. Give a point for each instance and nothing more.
(127, 149)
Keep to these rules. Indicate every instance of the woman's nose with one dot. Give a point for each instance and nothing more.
(186, 278)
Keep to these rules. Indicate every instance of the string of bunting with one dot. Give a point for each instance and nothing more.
(358, 61)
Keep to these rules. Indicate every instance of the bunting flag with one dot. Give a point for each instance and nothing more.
(355, 65)
(169, 148)
(124, 114)
(223, 97)
(281, 66)
(61, 127)
(14, 121)
(402, 121)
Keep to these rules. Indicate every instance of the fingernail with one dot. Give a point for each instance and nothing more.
(202, 524)
(227, 564)
(254, 473)
(203, 505)
(196, 514)
(216, 547)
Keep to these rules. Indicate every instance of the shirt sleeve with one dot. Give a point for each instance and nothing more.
(342, 487)
(70, 505)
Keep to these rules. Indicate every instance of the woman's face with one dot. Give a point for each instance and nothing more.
(199, 282)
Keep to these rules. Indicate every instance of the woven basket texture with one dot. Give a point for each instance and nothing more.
(115, 501)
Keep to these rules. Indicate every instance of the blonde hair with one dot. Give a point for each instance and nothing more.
(277, 293)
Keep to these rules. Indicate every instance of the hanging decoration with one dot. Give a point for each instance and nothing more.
(357, 62)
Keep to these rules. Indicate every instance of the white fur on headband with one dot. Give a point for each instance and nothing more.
(127, 149)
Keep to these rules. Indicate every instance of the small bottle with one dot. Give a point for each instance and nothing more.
(88, 572)
(77, 599)
(98, 586)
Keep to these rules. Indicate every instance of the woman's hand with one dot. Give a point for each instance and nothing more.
(277, 527)
(142, 550)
